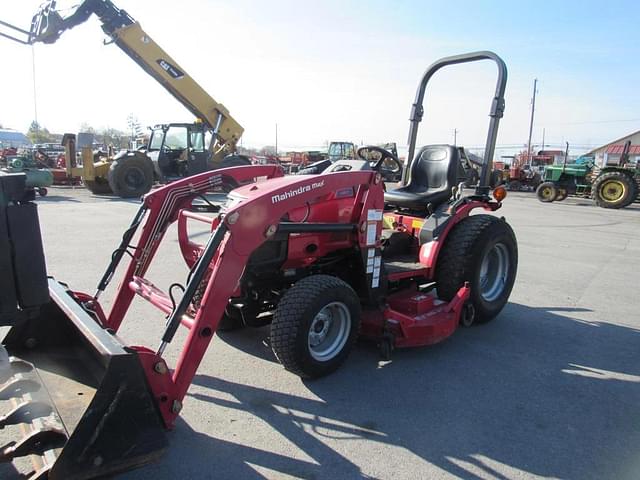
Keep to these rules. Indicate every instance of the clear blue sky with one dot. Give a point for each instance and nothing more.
(347, 70)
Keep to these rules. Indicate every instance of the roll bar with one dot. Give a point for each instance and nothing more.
(497, 110)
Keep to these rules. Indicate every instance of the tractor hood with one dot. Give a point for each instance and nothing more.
(278, 189)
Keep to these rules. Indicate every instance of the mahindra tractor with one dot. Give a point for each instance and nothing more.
(324, 258)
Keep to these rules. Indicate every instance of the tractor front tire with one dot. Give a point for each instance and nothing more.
(614, 190)
(561, 195)
(483, 251)
(99, 186)
(546, 192)
(315, 325)
(131, 176)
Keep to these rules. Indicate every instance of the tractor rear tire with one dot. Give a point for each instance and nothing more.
(99, 186)
(483, 251)
(614, 190)
(131, 176)
(315, 325)
(546, 192)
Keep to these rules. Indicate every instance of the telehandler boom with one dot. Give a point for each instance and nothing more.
(132, 173)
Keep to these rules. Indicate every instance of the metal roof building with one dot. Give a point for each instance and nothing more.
(13, 138)
(609, 154)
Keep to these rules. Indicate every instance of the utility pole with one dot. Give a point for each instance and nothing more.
(455, 137)
(543, 139)
(35, 102)
(533, 109)
(276, 139)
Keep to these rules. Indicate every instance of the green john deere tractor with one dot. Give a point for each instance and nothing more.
(614, 186)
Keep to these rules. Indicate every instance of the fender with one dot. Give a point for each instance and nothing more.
(429, 251)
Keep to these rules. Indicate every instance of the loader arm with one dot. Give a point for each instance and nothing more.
(236, 234)
(48, 25)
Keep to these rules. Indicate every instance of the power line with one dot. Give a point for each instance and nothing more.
(595, 121)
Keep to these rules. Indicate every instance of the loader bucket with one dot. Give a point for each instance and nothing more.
(73, 398)
(81, 397)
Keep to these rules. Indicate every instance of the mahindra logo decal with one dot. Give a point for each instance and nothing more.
(279, 197)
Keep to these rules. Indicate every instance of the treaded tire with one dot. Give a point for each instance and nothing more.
(629, 194)
(293, 320)
(99, 186)
(561, 195)
(546, 192)
(131, 176)
(461, 259)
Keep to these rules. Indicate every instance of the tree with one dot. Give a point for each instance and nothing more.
(86, 128)
(268, 150)
(39, 134)
(135, 128)
(115, 137)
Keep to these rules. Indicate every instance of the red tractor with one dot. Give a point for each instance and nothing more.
(324, 258)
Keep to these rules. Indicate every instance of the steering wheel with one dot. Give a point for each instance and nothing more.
(388, 165)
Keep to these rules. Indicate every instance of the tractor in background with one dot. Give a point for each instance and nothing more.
(175, 150)
(612, 186)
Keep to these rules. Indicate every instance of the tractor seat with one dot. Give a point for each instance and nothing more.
(434, 173)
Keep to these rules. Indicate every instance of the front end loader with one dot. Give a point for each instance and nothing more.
(324, 258)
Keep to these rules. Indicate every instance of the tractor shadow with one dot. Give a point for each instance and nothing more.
(56, 198)
(536, 392)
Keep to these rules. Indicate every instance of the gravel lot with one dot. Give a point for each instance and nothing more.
(550, 388)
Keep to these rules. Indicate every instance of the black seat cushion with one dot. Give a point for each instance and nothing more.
(434, 173)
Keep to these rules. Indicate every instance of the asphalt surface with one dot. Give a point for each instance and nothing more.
(550, 388)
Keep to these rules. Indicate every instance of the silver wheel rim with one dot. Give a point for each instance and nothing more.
(329, 331)
(494, 272)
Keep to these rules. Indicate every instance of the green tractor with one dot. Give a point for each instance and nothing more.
(610, 187)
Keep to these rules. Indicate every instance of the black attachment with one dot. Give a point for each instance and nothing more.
(23, 281)
(197, 274)
(121, 250)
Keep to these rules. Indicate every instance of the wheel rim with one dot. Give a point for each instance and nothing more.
(134, 178)
(546, 192)
(329, 331)
(494, 272)
(612, 190)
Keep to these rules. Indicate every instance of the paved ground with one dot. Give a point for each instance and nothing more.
(551, 388)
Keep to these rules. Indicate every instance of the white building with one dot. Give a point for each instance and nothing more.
(609, 154)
